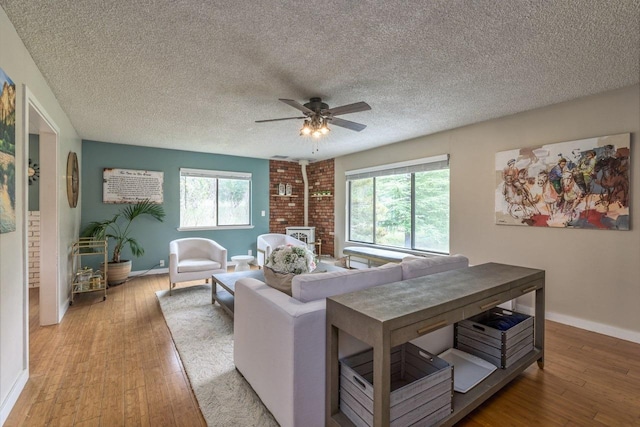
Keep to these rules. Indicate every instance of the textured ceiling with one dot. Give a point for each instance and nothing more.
(196, 74)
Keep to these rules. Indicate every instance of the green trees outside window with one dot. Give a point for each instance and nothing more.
(432, 211)
(405, 210)
(214, 199)
(361, 210)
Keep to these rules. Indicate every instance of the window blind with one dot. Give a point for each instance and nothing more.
(202, 173)
(412, 166)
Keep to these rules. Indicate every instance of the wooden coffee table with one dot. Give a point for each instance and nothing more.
(227, 281)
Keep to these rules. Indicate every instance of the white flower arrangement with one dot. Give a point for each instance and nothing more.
(291, 259)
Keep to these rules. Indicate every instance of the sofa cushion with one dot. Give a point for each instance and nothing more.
(197, 264)
(311, 287)
(412, 268)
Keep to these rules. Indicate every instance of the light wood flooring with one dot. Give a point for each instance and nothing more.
(114, 363)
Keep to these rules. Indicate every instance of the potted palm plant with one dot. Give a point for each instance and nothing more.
(118, 229)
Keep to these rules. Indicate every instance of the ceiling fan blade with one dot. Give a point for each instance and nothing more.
(277, 120)
(346, 109)
(297, 105)
(346, 124)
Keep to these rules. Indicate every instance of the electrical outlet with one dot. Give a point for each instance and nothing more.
(161, 263)
(250, 252)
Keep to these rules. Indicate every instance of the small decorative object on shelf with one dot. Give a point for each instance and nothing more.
(324, 193)
(95, 280)
(84, 274)
(289, 189)
(281, 189)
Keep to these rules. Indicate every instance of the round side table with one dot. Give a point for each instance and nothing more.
(242, 262)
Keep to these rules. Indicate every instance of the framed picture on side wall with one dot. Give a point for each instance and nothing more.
(7, 154)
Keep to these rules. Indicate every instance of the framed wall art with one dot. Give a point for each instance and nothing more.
(132, 186)
(574, 184)
(7, 154)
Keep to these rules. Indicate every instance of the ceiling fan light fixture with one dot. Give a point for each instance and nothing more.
(324, 129)
(317, 116)
(316, 126)
(306, 129)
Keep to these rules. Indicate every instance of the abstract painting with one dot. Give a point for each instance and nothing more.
(573, 184)
(7, 154)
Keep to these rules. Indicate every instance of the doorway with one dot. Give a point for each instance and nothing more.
(37, 122)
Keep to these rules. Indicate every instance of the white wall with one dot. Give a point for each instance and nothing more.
(592, 276)
(19, 66)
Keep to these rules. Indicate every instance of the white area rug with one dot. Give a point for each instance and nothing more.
(203, 334)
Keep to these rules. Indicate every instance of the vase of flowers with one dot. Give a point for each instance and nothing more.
(284, 263)
(291, 259)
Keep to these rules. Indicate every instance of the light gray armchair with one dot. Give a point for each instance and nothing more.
(195, 258)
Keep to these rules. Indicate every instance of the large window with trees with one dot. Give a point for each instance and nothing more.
(404, 205)
(211, 199)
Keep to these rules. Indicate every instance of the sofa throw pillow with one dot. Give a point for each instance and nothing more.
(277, 280)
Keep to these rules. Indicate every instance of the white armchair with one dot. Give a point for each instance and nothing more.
(195, 258)
(268, 242)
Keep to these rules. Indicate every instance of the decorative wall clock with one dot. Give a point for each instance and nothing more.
(33, 171)
(73, 179)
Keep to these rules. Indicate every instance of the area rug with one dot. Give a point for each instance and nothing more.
(203, 334)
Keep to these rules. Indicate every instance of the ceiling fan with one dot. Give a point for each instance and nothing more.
(317, 115)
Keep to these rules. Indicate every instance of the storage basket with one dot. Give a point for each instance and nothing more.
(421, 387)
(498, 336)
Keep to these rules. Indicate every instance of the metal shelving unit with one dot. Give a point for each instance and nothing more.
(86, 280)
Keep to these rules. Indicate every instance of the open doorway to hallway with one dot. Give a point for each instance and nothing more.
(42, 268)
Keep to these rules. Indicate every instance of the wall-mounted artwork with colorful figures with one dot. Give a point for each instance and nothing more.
(574, 184)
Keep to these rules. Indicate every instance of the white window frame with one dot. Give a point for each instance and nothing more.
(410, 166)
(217, 174)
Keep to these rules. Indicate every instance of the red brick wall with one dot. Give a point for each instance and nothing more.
(322, 209)
(289, 211)
(285, 211)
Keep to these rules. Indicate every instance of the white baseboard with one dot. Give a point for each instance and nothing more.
(150, 272)
(601, 328)
(12, 397)
(63, 309)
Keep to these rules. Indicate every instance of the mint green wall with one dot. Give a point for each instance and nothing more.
(34, 188)
(155, 236)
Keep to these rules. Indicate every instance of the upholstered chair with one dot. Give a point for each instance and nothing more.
(268, 242)
(195, 258)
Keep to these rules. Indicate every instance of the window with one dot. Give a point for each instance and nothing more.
(210, 199)
(404, 205)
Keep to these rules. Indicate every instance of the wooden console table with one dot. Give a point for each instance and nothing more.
(389, 315)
